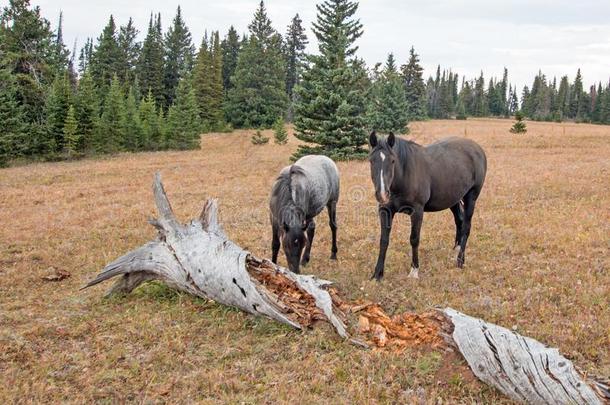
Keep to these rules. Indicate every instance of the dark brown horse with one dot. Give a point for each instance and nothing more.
(412, 179)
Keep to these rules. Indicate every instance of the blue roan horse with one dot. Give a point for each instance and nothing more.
(301, 192)
(410, 178)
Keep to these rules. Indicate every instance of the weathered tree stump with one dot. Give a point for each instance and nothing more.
(199, 259)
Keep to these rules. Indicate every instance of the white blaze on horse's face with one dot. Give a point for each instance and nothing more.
(382, 173)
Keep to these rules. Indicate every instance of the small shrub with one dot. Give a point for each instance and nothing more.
(280, 135)
(259, 139)
(519, 126)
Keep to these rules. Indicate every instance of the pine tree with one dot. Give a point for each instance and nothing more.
(331, 100)
(60, 52)
(150, 68)
(128, 53)
(562, 102)
(207, 81)
(519, 126)
(513, 102)
(258, 96)
(415, 88)
(14, 133)
(105, 58)
(387, 110)
(131, 123)
(604, 114)
(58, 103)
(160, 138)
(230, 51)
(576, 98)
(73, 139)
(179, 56)
(296, 41)
(87, 107)
(183, 122)
(110, 137)
(27, 53)
(480, 105)
(258, 138)
(461, 110)
(280, 135)
(85, 56)
(149, 121)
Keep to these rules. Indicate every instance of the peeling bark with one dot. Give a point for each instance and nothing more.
(198, 258)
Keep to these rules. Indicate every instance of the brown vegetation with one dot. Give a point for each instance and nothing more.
(537, 262)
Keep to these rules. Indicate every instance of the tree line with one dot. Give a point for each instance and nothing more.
(120, 94)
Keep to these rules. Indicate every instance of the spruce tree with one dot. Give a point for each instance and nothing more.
(513, 103)
(480, 104)
(519, 126)
(160, 138)
(84, 59)
(415, 88)
(230, 51)
(110, 137)
(183, 122)
(150, 67)
(258, 96)
(258, 138)
(149, 121)
(60, 54)
(105, 59)
(179, 56)
(330, 106)
(280, 135)
(128, 53)
(207, 81)
(562, 102)
(576, 97)
(27, 53)
(73, 139)
(58, 102)
(296, 41)
(87, 107)
(387, 109)
(14, 133)
(131, 123)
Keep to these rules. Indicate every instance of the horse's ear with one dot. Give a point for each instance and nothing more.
(373, 139)
(391, 140)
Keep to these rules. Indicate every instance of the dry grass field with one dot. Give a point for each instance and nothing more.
(538, 261)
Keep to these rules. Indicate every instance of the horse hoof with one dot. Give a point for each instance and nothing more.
(304, 262)
(376, 278)
(459, 264)
(414, 273)
(333, 256)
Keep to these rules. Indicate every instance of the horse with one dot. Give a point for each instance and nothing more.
(300, 193)
(413, 179)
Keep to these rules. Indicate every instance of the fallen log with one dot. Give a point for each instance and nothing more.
(198, 258)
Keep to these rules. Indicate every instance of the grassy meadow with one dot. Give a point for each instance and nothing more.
(537, 261)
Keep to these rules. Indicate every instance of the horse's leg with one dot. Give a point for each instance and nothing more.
(458, 216)
(311, 230)
(470, 200)
(386, 215)
(416, 220)
(275, 243)
(332, 218)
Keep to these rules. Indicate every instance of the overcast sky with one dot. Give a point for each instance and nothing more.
(556, 36)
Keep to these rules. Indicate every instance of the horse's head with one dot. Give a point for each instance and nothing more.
(293, 236)
(382, 158)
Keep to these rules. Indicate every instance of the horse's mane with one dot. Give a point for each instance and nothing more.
(283, 191)
(403, 148)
